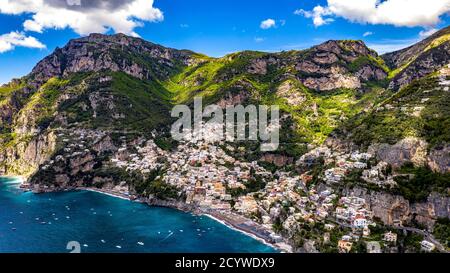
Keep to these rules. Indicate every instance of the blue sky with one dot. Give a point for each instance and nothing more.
(220, 27)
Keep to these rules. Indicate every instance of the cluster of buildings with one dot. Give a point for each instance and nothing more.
(344, 163)
(208, 175)
(378, 175)
(354, 210)
(77, 143)
(144, 159)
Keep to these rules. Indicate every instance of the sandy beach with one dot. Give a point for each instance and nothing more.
(249, 228)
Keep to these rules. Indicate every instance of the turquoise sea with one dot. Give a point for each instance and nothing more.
(101, 223)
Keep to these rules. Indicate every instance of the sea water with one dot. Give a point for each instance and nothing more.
(100, 223)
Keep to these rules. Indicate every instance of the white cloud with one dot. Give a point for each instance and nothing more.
(317, 14)
(184, 25)
(407, 13)
(10, 40)
(83, 16)
(269, 23)
(425, 33)
(259, 39)
(367, 33)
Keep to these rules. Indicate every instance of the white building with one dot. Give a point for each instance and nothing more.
(427, 246)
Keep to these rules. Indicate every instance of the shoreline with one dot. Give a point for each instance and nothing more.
(281, 248)
(226, 221)
(231, 221)
(22, 179)
(109, 193)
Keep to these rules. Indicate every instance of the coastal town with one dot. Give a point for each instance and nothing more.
(292, 210)
(281, 205)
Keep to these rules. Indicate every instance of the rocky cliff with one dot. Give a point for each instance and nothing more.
(396, 210)
(133, 56)
(419, 59)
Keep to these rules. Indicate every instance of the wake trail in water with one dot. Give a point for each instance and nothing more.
(170, 234)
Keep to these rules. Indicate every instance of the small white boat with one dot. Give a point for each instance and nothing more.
(140, 243)
(118, 247)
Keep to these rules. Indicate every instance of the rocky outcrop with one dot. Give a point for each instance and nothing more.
(419, 59)
(152, 201)
(424, 64)
(332, 81)
(291, 93)
(401, 57)
(236, 98)
(439, 159)
(329, 66)
(368, 73)
(393, 209)
(258, 67)
(413, 150)
(407, 150)
(114, 53)
(25, 157)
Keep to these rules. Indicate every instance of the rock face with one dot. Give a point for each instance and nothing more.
(423, 65)
(420, 59)
(24, 158)
(236, 98)
(439, 159)
(393, 209)
(367, 73)
(401, 57)
(407, 150)
(291, 93)
(413, 150)
(102, 52)
(339, 64)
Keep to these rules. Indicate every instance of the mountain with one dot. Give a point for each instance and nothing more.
(118, 82)
(418, 60)
(96, 113)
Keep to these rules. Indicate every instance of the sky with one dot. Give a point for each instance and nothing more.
(32, 29)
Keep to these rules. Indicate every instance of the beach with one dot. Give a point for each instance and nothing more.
(229, 219)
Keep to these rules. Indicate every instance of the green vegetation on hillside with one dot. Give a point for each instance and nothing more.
(418, 110)
(419, 182)
(368, 60)
(442, 231)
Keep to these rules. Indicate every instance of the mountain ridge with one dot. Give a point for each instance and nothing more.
(343, 77)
